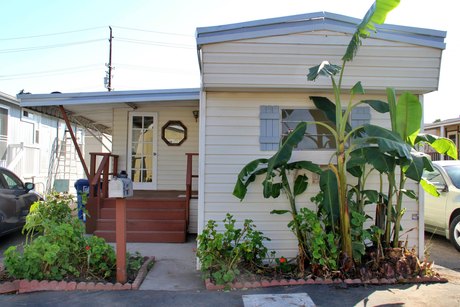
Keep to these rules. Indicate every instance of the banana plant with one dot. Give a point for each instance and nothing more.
(397, 149)
(342, 131)
(277, 171)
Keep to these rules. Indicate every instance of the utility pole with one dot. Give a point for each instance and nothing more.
(108, 78)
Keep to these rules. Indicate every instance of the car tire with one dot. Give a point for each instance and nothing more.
(454, 232)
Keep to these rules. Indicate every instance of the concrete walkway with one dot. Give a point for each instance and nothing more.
(174, 268)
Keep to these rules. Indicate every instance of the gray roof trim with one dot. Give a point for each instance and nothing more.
(9, 99)
(446, 122)
(33, 100)
(314, 22)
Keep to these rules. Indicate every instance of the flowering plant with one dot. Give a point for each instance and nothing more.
(283, 264)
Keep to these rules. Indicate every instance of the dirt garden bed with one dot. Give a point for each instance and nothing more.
(25, 286)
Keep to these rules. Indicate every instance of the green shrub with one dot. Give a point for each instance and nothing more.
(224, 254)
(61, 250)
(54, 210)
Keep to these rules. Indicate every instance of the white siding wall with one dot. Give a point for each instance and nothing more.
(171, 159)
(282, 62)
(232, 140)
(36, 154)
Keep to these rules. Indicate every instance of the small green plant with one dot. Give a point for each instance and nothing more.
(321, 245)
(224, 254)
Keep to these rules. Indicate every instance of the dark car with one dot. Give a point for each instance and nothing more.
(15, 200)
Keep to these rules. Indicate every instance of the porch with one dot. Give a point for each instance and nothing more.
(153, 216)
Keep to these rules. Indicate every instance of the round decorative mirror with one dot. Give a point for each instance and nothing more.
(174, 133)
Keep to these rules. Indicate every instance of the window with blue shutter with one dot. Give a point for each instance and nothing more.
(269, 127)
(276, 123)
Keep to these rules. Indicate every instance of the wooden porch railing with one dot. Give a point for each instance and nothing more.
(188, 184)
(99, 179)
(99, 184)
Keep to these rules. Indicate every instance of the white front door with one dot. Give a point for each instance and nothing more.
(142, 150)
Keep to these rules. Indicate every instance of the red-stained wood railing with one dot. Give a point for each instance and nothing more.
(99, 184)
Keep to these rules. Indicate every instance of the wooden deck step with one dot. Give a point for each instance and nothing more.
(144, 225)
(148, 219)
(149, 203)
(146, 214)
(146, 236)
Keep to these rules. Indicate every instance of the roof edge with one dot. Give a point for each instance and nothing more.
(310, 22)
(184, 94)
(8, 98)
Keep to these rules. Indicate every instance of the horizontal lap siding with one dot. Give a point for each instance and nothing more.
(283, 62)
(232, 140)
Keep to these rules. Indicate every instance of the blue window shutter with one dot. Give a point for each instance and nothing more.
(269, 127)
(360, 116)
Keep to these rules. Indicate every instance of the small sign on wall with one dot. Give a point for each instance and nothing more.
(61, 185)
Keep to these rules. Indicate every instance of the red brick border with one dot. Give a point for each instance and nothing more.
(26, 286)
(319, 281)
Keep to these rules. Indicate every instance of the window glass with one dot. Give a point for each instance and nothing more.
(12, 181)
(316, 136)
(3, 133)
(434, 177)
(454, 173)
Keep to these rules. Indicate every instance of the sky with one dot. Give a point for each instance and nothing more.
(62, 45)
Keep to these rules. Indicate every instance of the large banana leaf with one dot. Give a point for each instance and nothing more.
(324, 69)
(379, 160)
(408, 117)
(328, 108)
(300, 184)
(386, 141)
(442, 145)
(279, 160)
(284, 153)
(247, 175)
(419, 162)
(306, 165)
(377, 105)
(375, 15)
(356, 162)
(429, 187)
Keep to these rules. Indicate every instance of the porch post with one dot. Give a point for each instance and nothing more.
(74, 140)
(120, 238)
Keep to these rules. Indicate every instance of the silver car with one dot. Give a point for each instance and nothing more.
(442, 214)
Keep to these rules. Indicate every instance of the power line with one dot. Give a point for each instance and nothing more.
(39, 74)
(155, 43)
(49, 34)
(154, 69)
(151, 31)
(23, 49)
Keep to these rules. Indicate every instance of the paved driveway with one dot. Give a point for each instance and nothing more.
(442, 252)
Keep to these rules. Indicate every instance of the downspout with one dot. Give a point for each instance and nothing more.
(74, 140)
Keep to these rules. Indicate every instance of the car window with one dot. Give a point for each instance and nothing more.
(454, 173)
(434, 177)
(12, 181)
